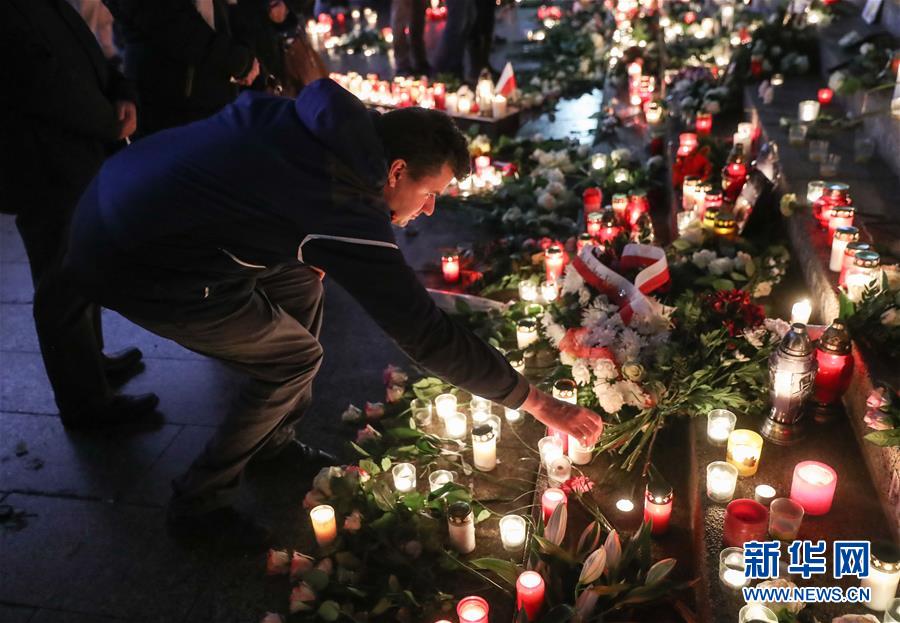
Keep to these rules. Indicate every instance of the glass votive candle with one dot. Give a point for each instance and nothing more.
(745, 520)
(455, 425)
(472, 609)
(421, 411)
(785, 517)
(797, 135)
(813, 486)
(513, 416)
(550, 448)
(549, 291)
(721, 480)
(719, 425)
(559, 471)
(814, 190)
(757, 613)
(404, 477)
(744, 450)
(513, 531)
(818, 149)
(477, 403)
(829, 166)
(526, 332)
(324, 524)
(528, 291)
(808, 111)
(495, 423)
(439, 478)
(579, 453)
(731, 568)
(764, 494)
(445, 405)
(484, 447)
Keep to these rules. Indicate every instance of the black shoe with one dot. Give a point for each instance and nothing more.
(294, 451)
(119, 410)
(121, 366)
(226, 526)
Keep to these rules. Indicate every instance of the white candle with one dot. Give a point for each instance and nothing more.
(550, 448)
(580, 455)
(808, 111)
(526, 332)
(528, 291)
(814, 190)
(479, 416)
(624, 505)
(731, 568)
(719, 424)
(882, 580)
(450, 101)
(764, 494)
(324, 524)
(484, 448)
(498, 106)
(513, 531)
(599, 161)
(721, 479)
(455, 425)
(461, 527)
(445, 405)
(512, 415)
(404, 477)
(549, 291)
(801, 311)
(842, 237)
(464, 104)
(439, 478)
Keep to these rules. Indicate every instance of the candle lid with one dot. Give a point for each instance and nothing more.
(450, 256)
(584, 236)
(459, 512)
(515, 357)
(853, 247)
(847, 232)
(836, 339)
(659, 491)
(565, 385)
(553, 250)
(595, 217)
(483, 432)
(837, 187)
(842, 211)
(885, 556)
(796, 342)
(527, 324)
(725, 219)
(867, 259)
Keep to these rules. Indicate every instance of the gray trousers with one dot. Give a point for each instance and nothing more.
(273, 339)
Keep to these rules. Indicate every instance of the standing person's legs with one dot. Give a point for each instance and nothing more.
(280, 358)
(417, 37)
(451, 52)
(401, 15)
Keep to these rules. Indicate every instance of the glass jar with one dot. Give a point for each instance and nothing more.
(839, 241)
(865, 272)
(850, 252)
(461, 526)
(836, 194)
(840, 216)
(726, 226)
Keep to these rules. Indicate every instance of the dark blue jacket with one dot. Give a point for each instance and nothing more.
(179, 224)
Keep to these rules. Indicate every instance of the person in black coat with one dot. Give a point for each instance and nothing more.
(268, 26)
(62, 108)
(183, 58)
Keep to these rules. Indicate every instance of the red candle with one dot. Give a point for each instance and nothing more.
(745, 520)
(594, 224)
(554, 262)
(637, 206)
(658, 506)
(620, 206)
(472, 609)
(584, 240)
(703, 123)
(835, 359)
(440, 93)
(825, 96)
(687, 143)
(530, 594)
(592, 198)
(552, 498)
(450, 267)
(813, 487)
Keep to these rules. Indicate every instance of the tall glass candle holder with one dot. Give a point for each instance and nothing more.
(528, 291)
(473, 610)
(658, 499)
(745, 520)
(834, 355)
(792, 369)
(719, 425)
(549, 291)
(813, 486)
(461, 526)
(731, 568)
(455, 425)
(841, 238)
(513, 531)
(324, 524)
(840, 216)
(554, 262)
(884, 575)
(550, 499)
(450, 267)
(439, 478)
(850, 252)
(721, 480)
(863, 273)
(526, 332)
(785, 517)
(445, 405)
(404, 477)
(550, 448)
(484, 447)
(744, 450)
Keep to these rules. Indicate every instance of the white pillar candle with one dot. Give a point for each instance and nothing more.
(461, 527)
(498, 107)
(404, 477)
(528, 291)
(513, 531)
(808, 111)
(512, 415)
(764, 494)
(526, 332)
(721, 479)
(445, 405)
(450, 101)
(464, 104)
(801, 311)
(882, 580)
(455, 425)
(842, 237)
(324, 524)
(549, 291)
(550, 448)
(439, 478)
(484, 448)
(580, 455)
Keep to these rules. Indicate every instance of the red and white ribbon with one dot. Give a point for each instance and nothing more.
(630, 297)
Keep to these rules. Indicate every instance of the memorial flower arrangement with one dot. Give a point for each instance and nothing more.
(875, 319)
(883, 416)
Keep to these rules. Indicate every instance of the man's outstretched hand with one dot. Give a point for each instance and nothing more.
(303, 63)
(582, 424)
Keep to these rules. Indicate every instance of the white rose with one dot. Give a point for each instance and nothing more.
(512, 215)
(702, 258)
(546, 200)
(352, 414)
(572, 280)
(556, 188)
(742, 260)
(584, 296)
(605, 370)
(836, 80)
(632, 393)
(567, 359)
(777, 326)
(867, 48)
(581, 373)
(322, 481)
(610, 398)
(720, 266)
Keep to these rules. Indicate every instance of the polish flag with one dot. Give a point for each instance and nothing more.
(506, 84)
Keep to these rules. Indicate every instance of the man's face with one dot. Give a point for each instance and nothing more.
(408, 197)
(277, 11)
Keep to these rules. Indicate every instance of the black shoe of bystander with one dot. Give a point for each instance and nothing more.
(119, 410)
(121, 366)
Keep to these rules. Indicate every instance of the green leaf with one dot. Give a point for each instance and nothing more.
(384, 496)
(505, 569)
(555, 551)
(681, 244)
(317, 579)
(723, 284)
(386, 464)
(402, 432)
(483, 515)
(329, 611)
(370, 466)
(659, 571)
(359, 449)
(885, 438)
(384, 604)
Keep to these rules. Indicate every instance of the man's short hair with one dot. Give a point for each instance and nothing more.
(425, 139)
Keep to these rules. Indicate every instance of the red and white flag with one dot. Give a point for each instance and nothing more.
(506, 83)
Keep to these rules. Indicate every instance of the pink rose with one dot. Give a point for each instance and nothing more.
(366, 434)
(326, 565)
(300, 596)
(277, 562)
(394, 393)
(272, 617)
(313, 498)
(300, 564)
(353, 522)
(878, 420)
(877, 399)
(374, 410)
(393, 375)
